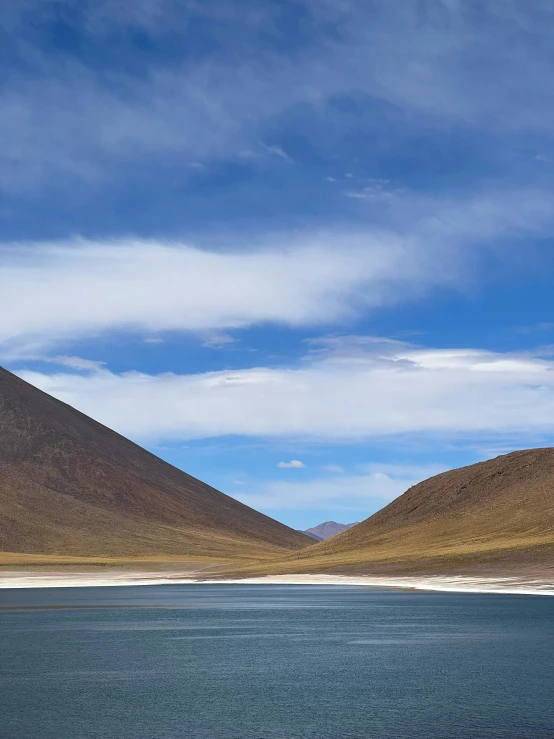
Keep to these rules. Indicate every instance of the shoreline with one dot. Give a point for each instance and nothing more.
(433, 583)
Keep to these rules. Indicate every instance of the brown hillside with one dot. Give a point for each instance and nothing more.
(496, 515)
(70, 486)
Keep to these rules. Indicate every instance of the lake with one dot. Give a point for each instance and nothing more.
(273, 662)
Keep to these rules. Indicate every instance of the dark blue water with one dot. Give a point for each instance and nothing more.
(273, 662)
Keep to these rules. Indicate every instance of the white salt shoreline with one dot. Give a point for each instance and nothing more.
(459, 584)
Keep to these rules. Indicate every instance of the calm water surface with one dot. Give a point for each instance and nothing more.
(273, 662)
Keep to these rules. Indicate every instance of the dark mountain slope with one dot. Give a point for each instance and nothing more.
(69, 485)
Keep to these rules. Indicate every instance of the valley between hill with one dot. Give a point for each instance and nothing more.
(75, 494)
(494, 517)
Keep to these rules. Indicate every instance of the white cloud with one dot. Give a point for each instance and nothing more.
(74, 289)
(218, 340)
(333, 468)
(366, 492)
(369, 390)
(37, 350)
(77, 363)
(277, 151)
(372, 192)
(68, 290)
(294, 464)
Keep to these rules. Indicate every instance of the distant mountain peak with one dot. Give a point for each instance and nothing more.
(492, 519)
(328, 529)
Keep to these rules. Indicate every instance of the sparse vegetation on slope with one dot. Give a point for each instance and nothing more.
(492, 516)
(70, 487)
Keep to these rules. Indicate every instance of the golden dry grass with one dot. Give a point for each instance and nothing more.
(496, 515)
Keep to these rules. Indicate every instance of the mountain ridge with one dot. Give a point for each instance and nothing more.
(71, 486)
(327, 529)
(493, 516)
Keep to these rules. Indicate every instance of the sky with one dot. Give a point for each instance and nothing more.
(301, 249)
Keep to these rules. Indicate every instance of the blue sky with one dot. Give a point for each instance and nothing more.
(302, 250)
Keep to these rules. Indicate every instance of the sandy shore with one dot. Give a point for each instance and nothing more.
(459, 584)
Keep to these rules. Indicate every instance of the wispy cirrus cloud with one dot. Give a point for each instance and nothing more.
(437, 60)
(218, 341)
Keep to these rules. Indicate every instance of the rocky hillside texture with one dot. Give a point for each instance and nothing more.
(70, 486)
(491, 517)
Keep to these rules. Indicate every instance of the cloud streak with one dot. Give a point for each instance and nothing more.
(68, 290)
(53, 291)
(439, 60)
(353, 391)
